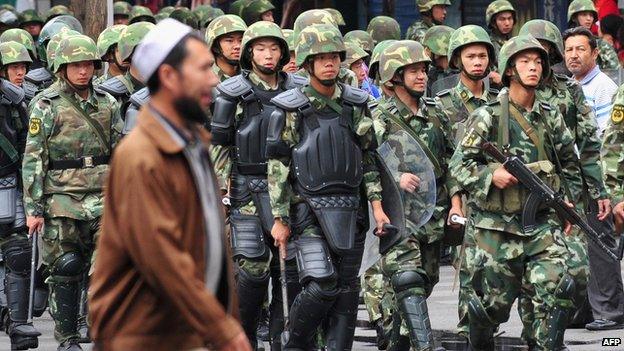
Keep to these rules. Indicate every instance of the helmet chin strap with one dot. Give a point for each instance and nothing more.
(325, 82)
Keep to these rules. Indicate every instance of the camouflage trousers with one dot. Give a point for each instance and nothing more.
(63, 237)
(466, 262)
(377, 295)
(505, 262)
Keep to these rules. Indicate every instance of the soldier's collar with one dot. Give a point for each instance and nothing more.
(256, 80)
(466, 95)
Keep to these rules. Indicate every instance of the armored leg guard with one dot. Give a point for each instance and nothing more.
(251, 293)
(412, 307)
(342, 318)
(481, 326)
(557, 318)
(83, 327)
(65, 296)
(307, 312)
(4, 307)
(17, 255)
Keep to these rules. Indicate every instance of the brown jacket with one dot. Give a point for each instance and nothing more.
(147, 290)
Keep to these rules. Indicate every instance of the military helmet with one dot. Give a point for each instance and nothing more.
(141, 14)
(47, 32)
(224, 25)
(237, 7)
(57, 11)
(373, 65)
(336, 15)
(167, 10)
(20, 36)
(496, 7)
(361, 38)
(130, 37)
(13, 52)
(7, 7)
(186, 16)
(8, 18)
(121, 8)
(354, 53)
(577, 6)
(76, 48)
(252, 13)
(399, 54)
(319, 39)
(516, 45)
(109, 37)
(30, 15)
(437, 39)
(310, 17)
(50, 50)
(71, 22)
(548, 31)
(383, 28)
(465, 35)
(206, 14)
(427, 5)
(263, 29)
(290, 38)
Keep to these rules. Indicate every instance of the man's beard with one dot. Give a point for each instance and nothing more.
(189, 109)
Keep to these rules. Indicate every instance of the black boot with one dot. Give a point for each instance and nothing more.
(481, 326)
(23, 334)
(70, 345)
(342, 318)
(251, 293)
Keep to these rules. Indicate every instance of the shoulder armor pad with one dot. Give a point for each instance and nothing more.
(140, 98)
(13, 93)
(50, 92)
(39, 75)
(546, 106)
(295, 81)
(353, 95)
(290, 100)
(494, 91)
(30, 90)
(444, 92)
(113, 86)
(235, 87)
(428, 101)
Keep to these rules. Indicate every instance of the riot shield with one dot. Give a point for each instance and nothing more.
(401, 155)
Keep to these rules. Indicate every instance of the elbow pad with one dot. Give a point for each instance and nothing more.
(222, 124)
(275, 146)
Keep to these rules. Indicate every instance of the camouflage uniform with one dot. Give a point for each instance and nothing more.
(505, 255)
(498, 39)
(416, 31)
(436, 41)
(220, 26)
(383, 28)
(613, 152)
(607, 56)
(331, 290)
(63, 175)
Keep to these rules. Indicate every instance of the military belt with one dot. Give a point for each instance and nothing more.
(83, 162)
(251, 168)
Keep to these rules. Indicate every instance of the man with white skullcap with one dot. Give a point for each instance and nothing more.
(162, 278)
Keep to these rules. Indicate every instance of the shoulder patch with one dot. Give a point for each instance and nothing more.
(34, 127)
(290, 100)
(617, 114)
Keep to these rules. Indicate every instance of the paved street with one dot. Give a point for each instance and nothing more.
(443, 312)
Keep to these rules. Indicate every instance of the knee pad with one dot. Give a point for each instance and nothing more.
(407, 280)
(247, 279)
(247, 237)
(17, 255)
(314, 260)
(69, 265)
(321, 292)
(566, 288)
(477, 311)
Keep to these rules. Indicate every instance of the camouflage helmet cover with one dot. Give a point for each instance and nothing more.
(9, 18)
(427, 5)
(263, 29)
(383, 28)
(437, 39)
(548, 31)
(141, 14)
(336, 15)
(577, 6)
(224, 25)
(109, 37)
(53, 44)
(30, 15)
(374, 61)
(515, 46)
(76, 48)
(167, 10)
(13, 52)
(237, 7)
(207, 14)
(319, 39)
(354, 53)
(466, 35)
(20, 36)
(253, 11)
(361, 38)
(496, 7)
(399, 54)
(130, 37)
(310, 17)
(71, 22)
(186, 16)
(57, 11)
(121, 8)
(290, 38)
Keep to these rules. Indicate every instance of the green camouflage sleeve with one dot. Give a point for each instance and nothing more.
(613, 149)
(368, 141)
(280, 190)
(565, 148)
(607, 57)
(220, 156)
(35, 162)
(117, 123)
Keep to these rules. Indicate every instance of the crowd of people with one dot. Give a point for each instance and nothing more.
(199, 180)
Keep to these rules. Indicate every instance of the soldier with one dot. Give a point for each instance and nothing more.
(23, 37)
(309, 126)
(56, 11)
(291, 66)
(63, 172)
(432, 12)
(382, 28)
(362, 39)
(500, 17)
(472, 53)
(412, 266)
(258, 10)
(122, 86)
(108, 51)
(612, 155)
(311, 17)
(31, 22)
(141, 14)
(224, 36)
(436, 42)
(8, 20)
(356, 62)
(237, 7)
(584, 13)
(373, 70)
(14, 243)
(242, 111)
(121, 12)
(207, 14)
(505, 254)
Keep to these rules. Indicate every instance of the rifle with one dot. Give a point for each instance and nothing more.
(540, 193)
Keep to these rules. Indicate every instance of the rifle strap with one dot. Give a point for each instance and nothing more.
(530, 131)
(503, 123)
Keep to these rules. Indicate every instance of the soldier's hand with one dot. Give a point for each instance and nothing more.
(380, 216)
(409, 182)
(567, 226)
(238, 343)
(34, 224)
(502, 179)
(618, 216)
(495, 78)
(604, 208)
(280, 232)
(454, 211)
